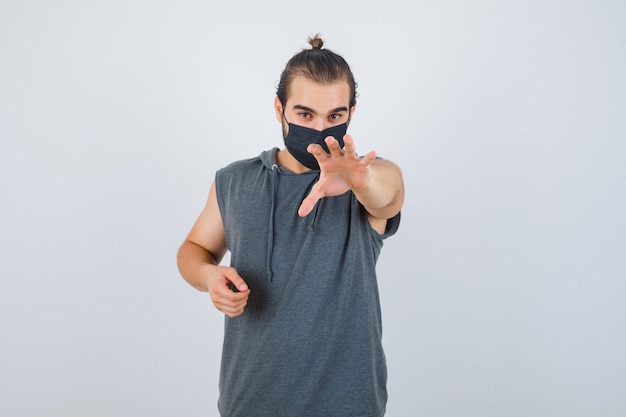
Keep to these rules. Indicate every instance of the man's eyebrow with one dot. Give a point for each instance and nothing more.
(310, 110)
(303, 108)
(339, 109)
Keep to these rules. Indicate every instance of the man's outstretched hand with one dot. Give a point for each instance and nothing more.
(340, 171)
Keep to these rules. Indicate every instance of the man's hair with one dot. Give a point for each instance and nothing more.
(320, 65)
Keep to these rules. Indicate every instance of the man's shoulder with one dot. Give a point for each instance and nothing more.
(263, 160)
(241, 164)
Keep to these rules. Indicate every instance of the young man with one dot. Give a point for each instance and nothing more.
(304, 226)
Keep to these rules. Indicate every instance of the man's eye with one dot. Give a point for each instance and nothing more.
(305, 115)
(335, 116)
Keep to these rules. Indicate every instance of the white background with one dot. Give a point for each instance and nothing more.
(503, 292)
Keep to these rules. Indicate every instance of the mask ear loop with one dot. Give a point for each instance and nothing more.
(285, 131)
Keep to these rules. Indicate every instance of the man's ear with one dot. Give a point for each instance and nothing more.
(278, 107)
(350, 113)
(352, 109)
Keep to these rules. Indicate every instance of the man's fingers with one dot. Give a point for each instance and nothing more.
(341, 170)
(221, 288)
(309, 202)
(232, 276)
(333, 146)
(348, 145)
(229, 302)
(305, 208)
(318, 152)
(225, 280)
(369, 158)
(231, 310)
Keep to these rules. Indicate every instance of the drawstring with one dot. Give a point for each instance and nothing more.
(270, 235)
(313, 214)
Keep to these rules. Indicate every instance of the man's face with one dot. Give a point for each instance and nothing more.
(313, 105)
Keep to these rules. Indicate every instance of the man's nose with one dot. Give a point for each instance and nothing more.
(321, 125)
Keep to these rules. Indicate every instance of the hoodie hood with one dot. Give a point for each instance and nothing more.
(268, 158)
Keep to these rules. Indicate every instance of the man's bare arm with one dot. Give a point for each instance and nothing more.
(198, 261)
(383, 196)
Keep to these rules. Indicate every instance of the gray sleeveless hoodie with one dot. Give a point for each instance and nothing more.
(309, 341)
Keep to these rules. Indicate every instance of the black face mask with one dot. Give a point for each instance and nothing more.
(299, 138)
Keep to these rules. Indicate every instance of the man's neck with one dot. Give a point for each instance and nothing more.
(287, 161)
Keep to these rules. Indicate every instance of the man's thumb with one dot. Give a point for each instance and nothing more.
(237, 283)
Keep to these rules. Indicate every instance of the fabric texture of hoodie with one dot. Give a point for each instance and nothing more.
(309, 341)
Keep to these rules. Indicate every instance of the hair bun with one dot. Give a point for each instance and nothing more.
(316, 42)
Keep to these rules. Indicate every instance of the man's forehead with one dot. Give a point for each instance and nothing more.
(312, 96)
